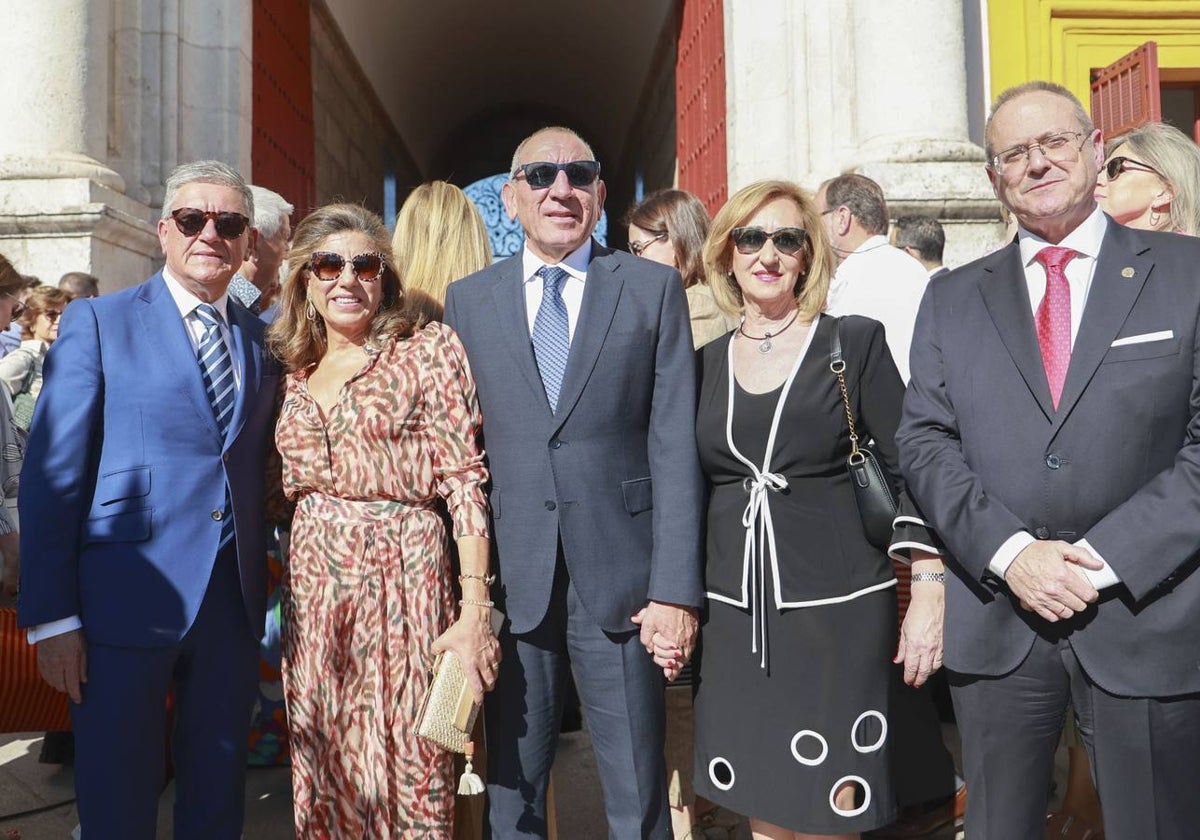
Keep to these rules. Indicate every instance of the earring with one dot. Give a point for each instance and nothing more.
(311, 312)
(1155, 218)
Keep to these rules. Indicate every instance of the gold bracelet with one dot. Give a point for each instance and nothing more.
(472, 602)
(488, 580)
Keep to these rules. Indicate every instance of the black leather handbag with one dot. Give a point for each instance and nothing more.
(873, 491)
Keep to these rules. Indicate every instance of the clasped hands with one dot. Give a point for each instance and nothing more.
(1047, 580)
(668, 633)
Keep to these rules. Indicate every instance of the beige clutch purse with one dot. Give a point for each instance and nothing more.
(448, 712)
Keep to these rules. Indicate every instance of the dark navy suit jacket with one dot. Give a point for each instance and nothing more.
(125, 472)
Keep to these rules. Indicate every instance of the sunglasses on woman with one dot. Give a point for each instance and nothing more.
(328, 266)
(639, 248)
(541, 174)
(787, 241)
(191, 221)
(1117, 165)
(18, 307)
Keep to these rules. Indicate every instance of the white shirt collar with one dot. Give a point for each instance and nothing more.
(187, 302)
(575, 264)
(1085, 239)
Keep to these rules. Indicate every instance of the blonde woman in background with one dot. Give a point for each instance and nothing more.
(439, 238)
(1151, 180)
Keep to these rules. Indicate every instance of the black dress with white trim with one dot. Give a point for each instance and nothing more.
(794, 664)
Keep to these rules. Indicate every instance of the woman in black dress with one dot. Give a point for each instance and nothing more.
(792, 696)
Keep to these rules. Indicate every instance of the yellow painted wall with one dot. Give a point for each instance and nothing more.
(1064, 40)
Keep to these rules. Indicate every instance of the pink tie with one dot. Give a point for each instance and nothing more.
(1054, 319)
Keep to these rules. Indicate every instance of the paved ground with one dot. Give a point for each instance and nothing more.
(37, 799)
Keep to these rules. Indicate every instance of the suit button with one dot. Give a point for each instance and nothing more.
(550, 505)
(218, 515)
(225, 457)
(1053, 462)
(556, 444)
(1042, 533)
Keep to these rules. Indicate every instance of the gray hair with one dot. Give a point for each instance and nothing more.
(1036, 86)
(270, 209)
(1177, 159)
(923, 234)
(205, 172)
(862, 196)
(516, 159)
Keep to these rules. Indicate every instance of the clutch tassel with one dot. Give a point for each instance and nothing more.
(470, 784)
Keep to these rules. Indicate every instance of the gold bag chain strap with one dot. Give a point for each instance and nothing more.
(837, 364)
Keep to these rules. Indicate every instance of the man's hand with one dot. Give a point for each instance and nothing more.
(62, 661)
(1044, 580)
(668, 633)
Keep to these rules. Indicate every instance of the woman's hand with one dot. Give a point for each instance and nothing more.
(920, 648)
(471, 639)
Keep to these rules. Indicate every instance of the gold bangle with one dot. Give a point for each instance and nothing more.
(488, 580)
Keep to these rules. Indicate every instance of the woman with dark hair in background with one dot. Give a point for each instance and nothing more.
(379, 421)
(669, 227)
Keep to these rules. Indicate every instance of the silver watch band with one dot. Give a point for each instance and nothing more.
(931, 577)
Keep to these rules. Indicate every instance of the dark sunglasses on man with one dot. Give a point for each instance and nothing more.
(787, 240)
(191, 221)
(328, 266)
(541, 174)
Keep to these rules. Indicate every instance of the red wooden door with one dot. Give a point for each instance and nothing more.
(700, 102)
(283, 149)
(1125, 94)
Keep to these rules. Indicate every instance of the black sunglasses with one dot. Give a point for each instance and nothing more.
(750, 240)
(541, 174)
(191, 221)
(329, 266)
(18, 307)
(1117, 165)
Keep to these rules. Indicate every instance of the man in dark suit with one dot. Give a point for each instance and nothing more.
(142, 505)
(1051, 433)
(583, 360)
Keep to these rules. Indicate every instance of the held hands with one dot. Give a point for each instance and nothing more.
(1045, 580)
(668, 633)
(62, 661)
(471, 639)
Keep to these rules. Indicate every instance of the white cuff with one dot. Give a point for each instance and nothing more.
(1099, 578)
(1008, 551)
(50, 629)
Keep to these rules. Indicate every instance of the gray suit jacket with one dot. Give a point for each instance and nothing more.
(614, 471)
(986, 455)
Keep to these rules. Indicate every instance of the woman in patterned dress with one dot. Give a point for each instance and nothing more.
(379, 420)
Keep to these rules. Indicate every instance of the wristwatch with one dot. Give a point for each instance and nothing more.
(931, 577)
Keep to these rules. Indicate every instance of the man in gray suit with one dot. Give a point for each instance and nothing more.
(583, 359)
(1051, 432)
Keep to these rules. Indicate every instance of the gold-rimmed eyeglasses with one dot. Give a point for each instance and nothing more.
(1059, 147)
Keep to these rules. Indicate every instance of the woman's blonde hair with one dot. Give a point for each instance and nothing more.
(299, 341)
(39, 300)
(440, 238)
(813, 286)
(1177, 159)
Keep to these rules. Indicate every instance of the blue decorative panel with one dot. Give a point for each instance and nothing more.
(505, 234)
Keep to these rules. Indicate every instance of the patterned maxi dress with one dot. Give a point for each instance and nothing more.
(368, 586)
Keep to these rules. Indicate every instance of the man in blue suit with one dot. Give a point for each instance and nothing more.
(583, 360)
(142, 502)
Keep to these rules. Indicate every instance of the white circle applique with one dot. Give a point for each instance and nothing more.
(712, 773)
(882, 735)
(866, 803)
(808, 733)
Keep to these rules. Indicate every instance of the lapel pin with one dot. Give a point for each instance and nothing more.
(1127, 271)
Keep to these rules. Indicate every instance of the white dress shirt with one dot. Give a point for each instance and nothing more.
(187, 303)
(1085, 240)
(576, 266)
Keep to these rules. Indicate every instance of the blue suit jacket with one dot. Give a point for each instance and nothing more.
(125, 472)
(614, 471)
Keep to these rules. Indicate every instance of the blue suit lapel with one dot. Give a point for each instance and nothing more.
(600, 295)
(168, 336)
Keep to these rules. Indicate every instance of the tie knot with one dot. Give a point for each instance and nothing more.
(207, 313)
(1055, 257)
(552, 278)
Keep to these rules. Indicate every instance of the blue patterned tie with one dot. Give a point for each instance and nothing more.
(216, 367)
(551, 335)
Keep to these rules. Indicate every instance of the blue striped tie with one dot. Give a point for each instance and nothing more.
(216, 367)
(551, 335)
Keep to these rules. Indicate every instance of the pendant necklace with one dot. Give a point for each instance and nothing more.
(764, 341)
